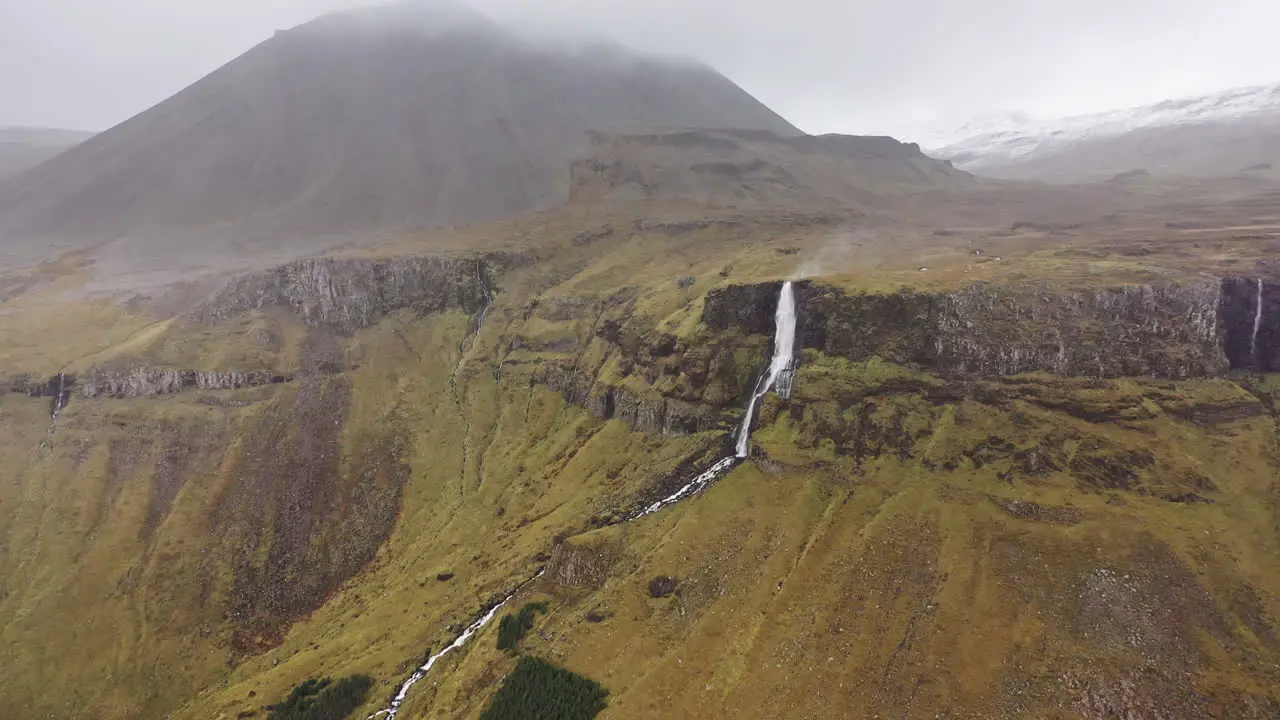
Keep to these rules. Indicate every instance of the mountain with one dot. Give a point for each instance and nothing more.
(753, 424)
(361, 122)
(1223, 134)
(759, 169)
(23, 148)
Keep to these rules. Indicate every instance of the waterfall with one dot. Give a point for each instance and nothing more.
(61, 397)
(1257, 325)
(478, 324)
(780, 369)
(779, 376)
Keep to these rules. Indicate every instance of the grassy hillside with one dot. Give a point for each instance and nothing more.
(903, 543)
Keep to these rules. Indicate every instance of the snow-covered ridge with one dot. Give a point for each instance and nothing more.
(1007, 136)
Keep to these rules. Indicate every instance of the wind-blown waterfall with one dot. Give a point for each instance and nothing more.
(1257, 324)
(779, 376)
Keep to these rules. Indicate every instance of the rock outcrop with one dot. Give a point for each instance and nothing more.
(582, 564)
(648, 412)
(1170, 330)
(152, 381)
(57, 388)
(344, 295)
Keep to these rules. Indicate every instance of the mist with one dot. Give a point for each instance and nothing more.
(911, 69)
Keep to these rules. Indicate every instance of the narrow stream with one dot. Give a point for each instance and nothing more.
(779, 376)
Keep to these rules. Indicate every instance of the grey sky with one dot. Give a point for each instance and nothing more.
(890, 66)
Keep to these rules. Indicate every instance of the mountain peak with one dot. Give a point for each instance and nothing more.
(403, 16)
(361, 122)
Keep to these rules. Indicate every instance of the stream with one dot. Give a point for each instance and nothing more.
(778, 376)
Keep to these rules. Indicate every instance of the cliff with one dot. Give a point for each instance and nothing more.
(152, 381)
(344, 295)
(1169, 330)
(1251, 318)
(646, 412)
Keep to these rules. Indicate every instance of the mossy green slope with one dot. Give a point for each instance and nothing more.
(902, 543)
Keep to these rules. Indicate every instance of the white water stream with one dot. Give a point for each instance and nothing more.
(472, 333)
(463, 639)
(780, 369)
(60, 400)
(1257, 324)
(779, 376)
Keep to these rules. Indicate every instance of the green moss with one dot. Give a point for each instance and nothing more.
(823, 377)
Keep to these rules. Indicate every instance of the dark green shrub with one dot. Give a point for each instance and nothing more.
(538, 690)
(512, 628)
(323, 699)
(663, 586)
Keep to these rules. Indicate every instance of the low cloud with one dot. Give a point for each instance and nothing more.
(907, 68)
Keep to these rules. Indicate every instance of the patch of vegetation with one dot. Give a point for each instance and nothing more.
(512, 628)
(538, 690)
(663, 586)
(324, 699)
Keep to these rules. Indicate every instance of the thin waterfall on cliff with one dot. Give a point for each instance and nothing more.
(61, 397)
(1257, 324)
(780, 369)
(779, 376)
(470, 340)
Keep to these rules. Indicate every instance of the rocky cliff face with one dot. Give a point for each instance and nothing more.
(1163, 331)
(152, 381)
(344, 295)
(57, 388)
(1170, 330)
(1251, 323)
(648, 412)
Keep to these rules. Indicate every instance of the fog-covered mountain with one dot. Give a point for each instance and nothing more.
(24, 148)
(360, 122)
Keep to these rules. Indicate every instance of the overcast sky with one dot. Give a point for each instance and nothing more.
(900, 67)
